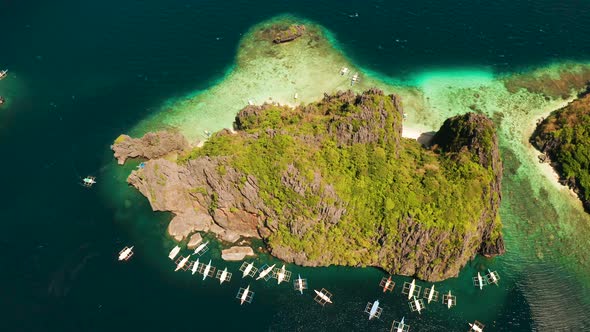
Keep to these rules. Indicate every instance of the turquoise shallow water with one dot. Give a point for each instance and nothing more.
(81, 73)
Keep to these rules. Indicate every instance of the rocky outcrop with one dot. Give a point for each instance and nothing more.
(194, 241)
(564, 140)
(475, 134)
(291, 33)
(334, 182)
(181, 189)
(236, 253)
(150, 146)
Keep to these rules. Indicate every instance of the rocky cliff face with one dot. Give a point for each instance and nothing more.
(475, 134)
(564, 139)
(150, 146)
(334, 183)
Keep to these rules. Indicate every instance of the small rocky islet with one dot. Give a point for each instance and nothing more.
(333, 183)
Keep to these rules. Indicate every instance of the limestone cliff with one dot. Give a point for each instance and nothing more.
(334, 182)
(564, 137)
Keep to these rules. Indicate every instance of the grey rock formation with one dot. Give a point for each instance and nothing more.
(236, 253)
(150, 146)
(194, 241)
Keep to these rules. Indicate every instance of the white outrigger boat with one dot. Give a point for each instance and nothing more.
(417, 305)
(245, 295)
(174, 252)
(400, 326)
(493, 277)
(282, 274)
(343, 71)
(195, 266)
(248, 269)
(207, 270)
(300, 284)
(89, 181)
(479, 281)
(476, 327)
(373, 309)
(430, 294)
(265, 273)
(126, 253)
(450, 300)
(3, 74)
(201, 249)
(323, 296)
(411, 289)
(181, 262)
(223, 276)
(387, 284)
(354, 79)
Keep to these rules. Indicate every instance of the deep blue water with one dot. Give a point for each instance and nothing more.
(83, 72)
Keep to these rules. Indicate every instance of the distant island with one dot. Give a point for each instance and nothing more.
(564, 140)
(333, 182)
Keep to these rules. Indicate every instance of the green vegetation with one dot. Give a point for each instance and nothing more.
(354, 149)
(565, 137)
(120, 139)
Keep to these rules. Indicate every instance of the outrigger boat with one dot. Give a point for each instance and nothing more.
(343, 71)
(354, 79)
(476, 327)
(417, 305)
(411, 289)
(207, 270)
(387, 284)
(282, 274)
(373, 309)
(300, 284)
(430, 294)
(248, 269)
(400, 326)
(89, 181)
(174, 252)
(223, 276)
(492, 277)
(126, 253)
(201, 249)
(323, 296)
(245, 295)
(450, 300)
(195, 266)
(3, 74)
(181, 262)
(479, 281)
(265, 273)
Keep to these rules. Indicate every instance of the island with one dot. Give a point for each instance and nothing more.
(334, 182)
(292, 32)
(563, 137)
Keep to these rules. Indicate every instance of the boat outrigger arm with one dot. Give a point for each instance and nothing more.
(126, 253)
(373, 309)
(400, 326)
(300, 284)
(88, 181)
(323, 296)
(245, 295)
(248, 269)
